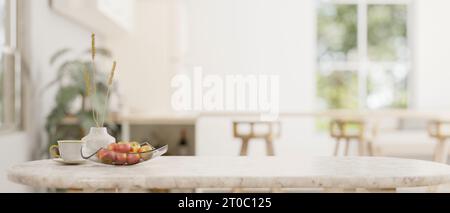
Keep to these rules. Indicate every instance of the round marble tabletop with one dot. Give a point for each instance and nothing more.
(252, 172)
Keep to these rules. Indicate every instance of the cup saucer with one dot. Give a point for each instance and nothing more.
(72, 162)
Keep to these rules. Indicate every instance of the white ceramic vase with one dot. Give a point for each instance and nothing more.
(97, 138)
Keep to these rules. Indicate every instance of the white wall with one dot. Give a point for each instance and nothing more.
(256, 37)
(432, 54)
(147, 56)
(222, 36)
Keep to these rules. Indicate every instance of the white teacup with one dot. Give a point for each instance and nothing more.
(67, 150)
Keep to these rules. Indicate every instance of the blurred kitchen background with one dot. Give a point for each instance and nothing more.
(339, 62)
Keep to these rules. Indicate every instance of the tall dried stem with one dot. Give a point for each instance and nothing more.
(94, 88)
(110, 82)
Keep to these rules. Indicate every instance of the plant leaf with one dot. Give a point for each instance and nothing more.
(67, 94)
(62, 69)
(58, 54)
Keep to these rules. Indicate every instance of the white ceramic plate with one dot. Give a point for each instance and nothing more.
(60, 160)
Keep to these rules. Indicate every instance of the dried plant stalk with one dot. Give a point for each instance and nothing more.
(95, 113)
(87, 82)
(93, 46)
(111, 75)
(110, 81)
(94, 88)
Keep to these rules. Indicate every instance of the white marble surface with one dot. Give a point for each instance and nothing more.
(251, 172)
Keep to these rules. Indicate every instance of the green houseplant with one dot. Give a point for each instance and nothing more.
(71, 116)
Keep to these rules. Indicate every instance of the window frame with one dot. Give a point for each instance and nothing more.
(11, 110)
(361, 66)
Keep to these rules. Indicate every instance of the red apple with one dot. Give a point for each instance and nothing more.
(112, 147)
(123, 148)
(121, 158)
(106, 156)
(133, 158)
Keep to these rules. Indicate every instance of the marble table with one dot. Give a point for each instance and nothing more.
(166, 172)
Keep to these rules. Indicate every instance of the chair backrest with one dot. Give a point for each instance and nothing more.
(256, 129)
(346, 128)
(439, 129)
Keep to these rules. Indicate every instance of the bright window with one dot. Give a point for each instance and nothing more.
(10, 80)
(363, 54)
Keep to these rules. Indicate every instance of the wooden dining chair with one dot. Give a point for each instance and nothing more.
(272, 131)
(348, 130)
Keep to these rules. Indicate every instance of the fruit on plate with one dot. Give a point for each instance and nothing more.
(144, 151)
(123, 147)
(124, 152)
(106, 156)
(133, 158)
(112, 147)
(146, 148)
(121, 158)
(135, 146)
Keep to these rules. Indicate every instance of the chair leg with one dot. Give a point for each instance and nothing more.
(244, 147)
(361, 147)
(441, 151)
(370, 148)
(444, 151)
(269, 147)
(347, 145)
(336, 147)
(437, 151)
